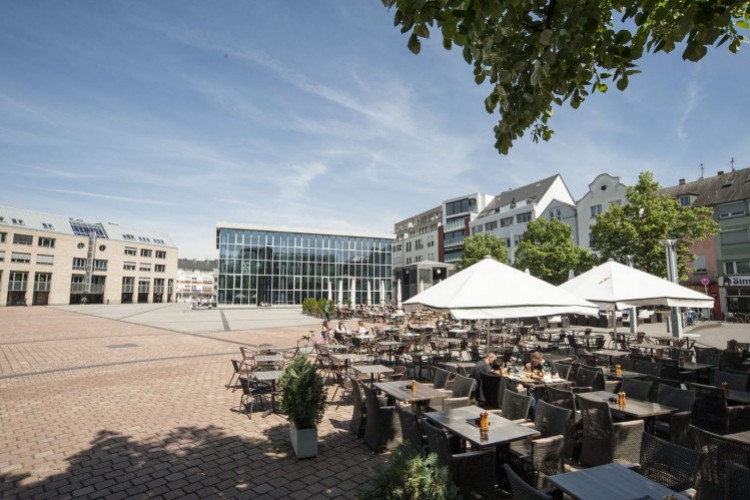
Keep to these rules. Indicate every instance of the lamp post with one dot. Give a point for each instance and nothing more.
(670, 246)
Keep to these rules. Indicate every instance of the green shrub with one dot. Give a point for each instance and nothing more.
(303, 396)
(410, 476)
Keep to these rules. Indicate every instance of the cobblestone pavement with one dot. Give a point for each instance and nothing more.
(96, 405)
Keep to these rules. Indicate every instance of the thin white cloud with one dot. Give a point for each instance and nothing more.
(110, 197)
(691, 101)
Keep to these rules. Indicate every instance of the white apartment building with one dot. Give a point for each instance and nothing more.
(196, 280)
(605, 190)
(509, 213)
(418, 238)
(458, 214)
(53, 259)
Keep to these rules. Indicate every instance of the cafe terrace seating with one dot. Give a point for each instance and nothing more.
(252, 392)
(712, 413)
(605, 441)
(515, 406)
(461, 394)
(675, 427)
(669, 464)
(736, 480)
(411, 429)
(491, 388)
(473, 472)
(521, 490)
(382, 427)
(717, 451)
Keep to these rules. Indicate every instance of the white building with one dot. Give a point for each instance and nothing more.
(509, 213)
(606, 190)
(196, 280)
(53, 259)
(418, 238)
(458, 214)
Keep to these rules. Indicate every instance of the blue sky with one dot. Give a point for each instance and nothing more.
(171, 116)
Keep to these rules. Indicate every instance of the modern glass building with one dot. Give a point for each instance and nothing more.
(284, 266)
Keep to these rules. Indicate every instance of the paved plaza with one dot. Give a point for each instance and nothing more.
(130, 401)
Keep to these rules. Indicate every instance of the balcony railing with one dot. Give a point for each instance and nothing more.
(17, 286)
(42, 287)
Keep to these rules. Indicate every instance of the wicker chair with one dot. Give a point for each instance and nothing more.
(252, 392)
(562, 369)
(712, 413)
(522, 490)
(676, 426)
(382, 428)
(359, 412)
(537, 458)
(736, 381)
(637, 389)
(489, 390)
(565, 398)
(473, 472)
(604, 441)
(461, 394)
(736, 481)
(589, 379)
(515, 406)
(411, 429)
(669, 464)
(717, 450)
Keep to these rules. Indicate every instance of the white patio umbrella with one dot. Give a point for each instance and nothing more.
(614, 286)
(382, 292)
(330, 290)
(492, 290)
(353, 288)
(369, 293)
(398, 294)
(341, 293)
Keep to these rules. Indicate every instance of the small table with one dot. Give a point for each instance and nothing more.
(611, 354)
(348, 358)
(742, 437)
(372, 370)
(740, 397)
(269, 376)
(633, 408)
(268, 359)
(611, 481)
(460, 421)
(466, 365)
(418, 398)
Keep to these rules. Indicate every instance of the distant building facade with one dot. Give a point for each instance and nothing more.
(419, 238)
(196, 280)
(48, 259)
(723, 260)
(458, 214)
(277, 265)
(509, 213)
(604, 191)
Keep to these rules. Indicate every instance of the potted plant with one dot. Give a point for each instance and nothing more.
(303, 401)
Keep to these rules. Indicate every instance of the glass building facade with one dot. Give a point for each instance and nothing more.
(286, 266)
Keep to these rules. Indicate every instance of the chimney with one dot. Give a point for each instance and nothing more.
(682, 182)
(721, 172)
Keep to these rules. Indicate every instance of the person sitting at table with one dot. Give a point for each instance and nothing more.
(483, 366)
(342, 329)
(538, 366)
(361, 329)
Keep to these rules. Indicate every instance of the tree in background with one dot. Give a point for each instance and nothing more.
(548, 252)
(479, 246)
(637, 229)
(536, 53)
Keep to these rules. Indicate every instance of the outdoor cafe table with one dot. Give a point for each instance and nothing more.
(532, 382)
(738, 397)
(611, 481)
(269, 376)
(742, 437)
(372, 370)
(623, 374)
(633, 408)
(400, 390)
(348, 358)
(460, 421)
(611, 354)
(467, 365)
(268, 359)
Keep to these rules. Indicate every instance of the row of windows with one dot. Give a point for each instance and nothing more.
(145, 252)
(461, 206)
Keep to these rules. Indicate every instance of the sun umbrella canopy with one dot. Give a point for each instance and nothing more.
(616, 286)
(492, 290)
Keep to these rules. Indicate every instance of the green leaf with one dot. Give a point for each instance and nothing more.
(414, 44)
(743, 24)
(622, 83)
(546, 37)
(421, 30)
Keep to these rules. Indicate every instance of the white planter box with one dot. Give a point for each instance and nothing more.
(304, 441)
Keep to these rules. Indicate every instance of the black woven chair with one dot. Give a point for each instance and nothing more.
(461, 394)
(669, 464)
(589, 379)
(489, 390)
(736, 381)
(252, 392)
(736, 482)
(711, 412)
(359, 412)
(473, 472)
(411, 429)
(520, 489)
(637, 389)
(565, 398)
(542, 456)
(716, 451)
(675, 427)
(604, 441)
(730, 359)
(515, 406)
(627, 364)
(382, 428)
(562, 369)
(649, 368)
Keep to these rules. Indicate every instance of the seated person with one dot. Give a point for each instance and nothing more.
(538, 366)
(342, 329)
(325, 332)
(361, 329)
